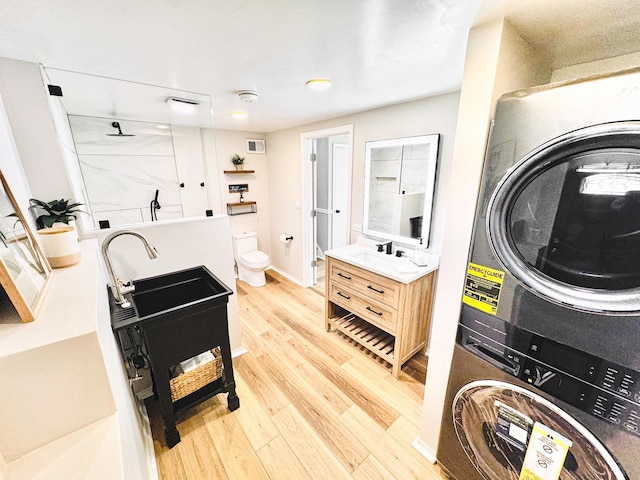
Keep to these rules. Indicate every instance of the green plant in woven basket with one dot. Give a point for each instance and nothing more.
(54, 211)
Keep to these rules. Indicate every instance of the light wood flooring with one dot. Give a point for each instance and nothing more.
(312, 404)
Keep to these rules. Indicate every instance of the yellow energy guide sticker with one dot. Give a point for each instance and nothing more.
(545, 454)
(482, 288)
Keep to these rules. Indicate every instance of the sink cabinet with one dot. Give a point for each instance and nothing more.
(173, 339)
(180, 315)
(388, 317)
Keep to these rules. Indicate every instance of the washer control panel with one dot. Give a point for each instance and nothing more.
(601, 388)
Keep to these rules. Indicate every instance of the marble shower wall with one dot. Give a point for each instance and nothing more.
(122, 173)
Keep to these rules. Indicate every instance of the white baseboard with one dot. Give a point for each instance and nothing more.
(424, 450)
(236, 352)
(147, 440)
(287, 276)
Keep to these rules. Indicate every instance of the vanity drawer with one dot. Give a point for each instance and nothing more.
(375, 313)
(371, 285)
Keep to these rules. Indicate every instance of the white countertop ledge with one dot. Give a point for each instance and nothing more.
(401, 269)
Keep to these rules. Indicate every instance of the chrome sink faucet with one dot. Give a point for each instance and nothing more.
(118, 288)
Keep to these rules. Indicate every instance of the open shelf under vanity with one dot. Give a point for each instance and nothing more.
(369, 336)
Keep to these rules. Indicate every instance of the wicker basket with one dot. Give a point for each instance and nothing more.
(189, 382)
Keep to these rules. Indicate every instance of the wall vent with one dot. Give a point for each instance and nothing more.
(255, 146)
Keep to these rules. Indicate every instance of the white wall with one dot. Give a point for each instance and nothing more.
(425, 116)
(600, 67)
(228, 143)
(11, 166)
(25, 99)
(498, 61)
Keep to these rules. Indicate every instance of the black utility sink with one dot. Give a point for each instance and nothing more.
(180, 315)
(161, 295)
(168, 292)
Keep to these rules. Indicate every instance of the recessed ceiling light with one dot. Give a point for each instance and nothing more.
(239, 115)
(163, 127)
(319, 83)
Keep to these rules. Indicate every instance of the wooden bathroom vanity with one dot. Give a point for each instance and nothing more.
(389, 317)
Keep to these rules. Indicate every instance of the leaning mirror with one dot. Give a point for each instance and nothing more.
(400, 177)
(24, 271)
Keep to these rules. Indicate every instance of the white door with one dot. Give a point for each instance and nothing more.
(340, 194)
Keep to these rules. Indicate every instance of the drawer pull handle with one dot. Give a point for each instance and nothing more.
(375, 289)
(340, 274)
(343, 295)
(373, 311)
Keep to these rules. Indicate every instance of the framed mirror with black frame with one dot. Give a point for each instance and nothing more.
(400, 180)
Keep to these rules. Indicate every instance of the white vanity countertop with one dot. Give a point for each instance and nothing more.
(401, 269)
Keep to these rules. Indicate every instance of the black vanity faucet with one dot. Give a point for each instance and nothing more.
(388, 247)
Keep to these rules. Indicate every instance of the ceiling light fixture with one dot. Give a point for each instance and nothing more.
(239, 115)
(248, 96)
(319, 83)
(182, 104)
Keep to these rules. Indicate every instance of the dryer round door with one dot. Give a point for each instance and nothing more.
(565, 220)
(480, 428)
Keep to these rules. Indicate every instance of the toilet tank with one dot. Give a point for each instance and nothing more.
(244, 242)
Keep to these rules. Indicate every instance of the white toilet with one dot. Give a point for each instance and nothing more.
(251, 261)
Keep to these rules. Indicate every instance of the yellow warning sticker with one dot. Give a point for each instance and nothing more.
(482, 288)
(545, 454)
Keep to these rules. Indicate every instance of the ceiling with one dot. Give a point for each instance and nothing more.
(571, 32)
(376, 52)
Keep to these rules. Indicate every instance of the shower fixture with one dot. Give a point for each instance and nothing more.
(154, 206)
(119, 134)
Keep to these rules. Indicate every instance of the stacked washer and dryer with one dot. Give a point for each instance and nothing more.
(549, 332)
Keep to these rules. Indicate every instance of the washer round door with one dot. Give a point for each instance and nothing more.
(565, 220)
(476, 409)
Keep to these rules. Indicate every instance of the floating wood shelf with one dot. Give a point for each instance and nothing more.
(367, 335)
(241, 208)
(238, 172)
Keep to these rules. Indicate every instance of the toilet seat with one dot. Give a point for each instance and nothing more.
(256, 259)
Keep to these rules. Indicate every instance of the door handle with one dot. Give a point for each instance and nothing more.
(337, 211)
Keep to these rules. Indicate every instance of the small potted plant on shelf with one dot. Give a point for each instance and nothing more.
(237, 161)
(59, 238)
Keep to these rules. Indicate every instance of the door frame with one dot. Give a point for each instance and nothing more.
(308, 229)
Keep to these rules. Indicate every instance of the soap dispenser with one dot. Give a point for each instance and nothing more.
(420, 255)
